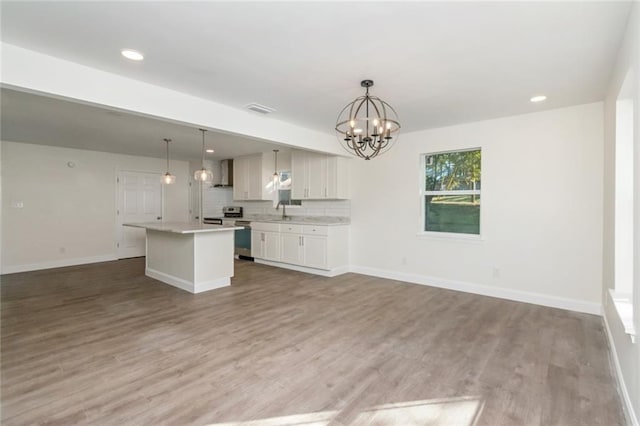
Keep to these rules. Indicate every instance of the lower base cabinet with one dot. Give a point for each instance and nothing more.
(321, 247)
(265, 242)
(291, 249)
(315, 251)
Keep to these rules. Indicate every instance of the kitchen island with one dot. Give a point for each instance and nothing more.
(192, 256)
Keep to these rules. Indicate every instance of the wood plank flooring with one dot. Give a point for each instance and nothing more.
(104, 344)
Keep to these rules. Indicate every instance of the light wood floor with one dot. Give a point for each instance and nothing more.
(103, 344)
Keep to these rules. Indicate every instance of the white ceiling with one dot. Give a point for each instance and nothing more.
(436, 63)
(37, 119)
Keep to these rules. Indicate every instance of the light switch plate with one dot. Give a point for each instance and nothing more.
(17, 204)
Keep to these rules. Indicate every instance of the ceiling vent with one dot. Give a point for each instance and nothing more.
(259, 108)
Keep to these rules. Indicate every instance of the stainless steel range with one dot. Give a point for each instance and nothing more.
(233, 216)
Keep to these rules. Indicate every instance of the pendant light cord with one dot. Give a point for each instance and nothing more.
(202, 130)
(167, 141)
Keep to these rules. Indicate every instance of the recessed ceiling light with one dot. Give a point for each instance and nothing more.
(134, 55)
(210, 151)
(538, 98)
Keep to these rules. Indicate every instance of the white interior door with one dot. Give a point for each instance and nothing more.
(139, 200)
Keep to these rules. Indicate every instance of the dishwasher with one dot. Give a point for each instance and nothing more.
(243, 240)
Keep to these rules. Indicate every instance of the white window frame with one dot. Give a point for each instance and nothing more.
(423, 193)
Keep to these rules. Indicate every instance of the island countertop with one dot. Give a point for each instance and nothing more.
(183, 227)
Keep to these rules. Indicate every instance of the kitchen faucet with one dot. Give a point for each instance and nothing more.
(284, 209)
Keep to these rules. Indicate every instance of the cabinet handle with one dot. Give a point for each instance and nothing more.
(302, 241)
(325, 192)
(262, 237)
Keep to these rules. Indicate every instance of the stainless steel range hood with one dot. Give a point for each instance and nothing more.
(226, 172)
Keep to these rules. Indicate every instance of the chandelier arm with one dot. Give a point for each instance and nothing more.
(355, 115)
(352, 114)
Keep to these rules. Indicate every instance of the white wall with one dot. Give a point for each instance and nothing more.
(627, 354)
(24, 69)
(69, 214)
(541, 210)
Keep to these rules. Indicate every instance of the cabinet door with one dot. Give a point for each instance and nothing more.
(298, 175)
(272, 246)
(316, 176)
(257, 246)
(291, 248)
(315, 251)
(332, 177)
(240, 178)
(254, 177)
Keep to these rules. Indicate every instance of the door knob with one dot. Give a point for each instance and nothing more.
(159, 218)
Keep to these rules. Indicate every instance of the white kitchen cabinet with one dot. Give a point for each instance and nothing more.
(319, 249)
(251, 178)
(299, 175)
(337, 178)
(314, 251)
(291, 249)
(318, 176)
(265, 241)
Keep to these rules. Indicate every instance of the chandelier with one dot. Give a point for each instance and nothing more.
(368, 126)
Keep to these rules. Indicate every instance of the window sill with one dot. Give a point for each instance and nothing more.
(449, 236)
(624, 308)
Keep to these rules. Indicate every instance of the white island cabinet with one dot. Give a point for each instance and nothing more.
(190, 256)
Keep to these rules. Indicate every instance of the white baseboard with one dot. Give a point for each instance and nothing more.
(323, 272)
(12, 269)
(501, 293)
(621, 384)
(212, 284)
(186, 285)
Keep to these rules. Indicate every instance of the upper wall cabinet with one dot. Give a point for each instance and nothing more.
(251, 178)
(318, 176)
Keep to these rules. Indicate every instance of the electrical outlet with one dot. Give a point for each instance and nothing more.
(496, 272)
(404, 261)
(62, 250)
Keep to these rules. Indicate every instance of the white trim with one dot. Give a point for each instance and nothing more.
(12, 269)
(619, 376)
(454, 192)
(429, 235)
(325, 273)
(186, 285)
(623, 305)
(501, 293)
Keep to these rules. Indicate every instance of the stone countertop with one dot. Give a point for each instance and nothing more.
(300, 220)
(182, 227)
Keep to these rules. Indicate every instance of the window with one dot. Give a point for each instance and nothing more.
(622, 294)
(451, 192)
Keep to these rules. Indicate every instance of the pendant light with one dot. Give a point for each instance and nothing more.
(368, 126)
(276, 176)
(168, 178)
(203, 175)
